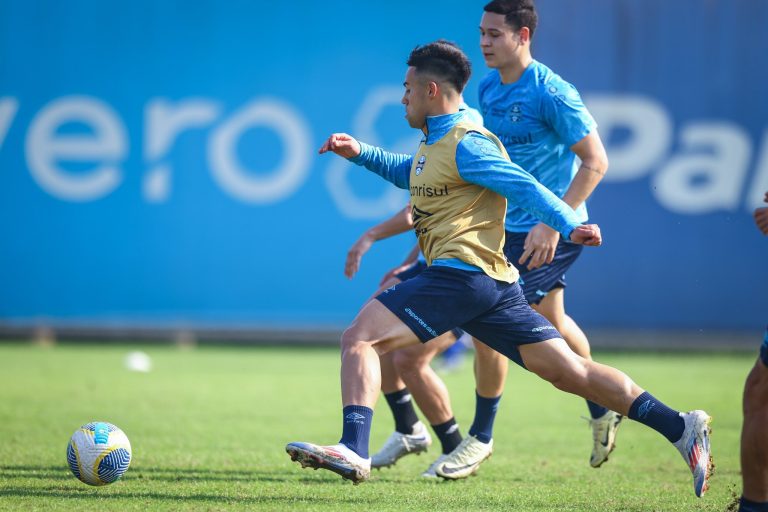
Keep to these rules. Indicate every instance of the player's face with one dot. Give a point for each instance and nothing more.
(499, 42)
(415, 99)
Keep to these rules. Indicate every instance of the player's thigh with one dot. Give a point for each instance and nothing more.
(553, 360)
(377, 325)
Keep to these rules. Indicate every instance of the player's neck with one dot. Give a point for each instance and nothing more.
(512, 72)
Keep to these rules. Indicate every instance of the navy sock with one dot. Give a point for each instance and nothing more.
(485, 413)
(651, 412)
(449, 435)
(357, 429)
(596, 410)
(403, 411)
(752, 506)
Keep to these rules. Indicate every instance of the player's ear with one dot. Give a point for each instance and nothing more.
(433, 89)
(525, 35)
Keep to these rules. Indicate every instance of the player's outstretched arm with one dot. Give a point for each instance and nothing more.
(393, 167)
(761, 217)
(342, 144)
(401, 222)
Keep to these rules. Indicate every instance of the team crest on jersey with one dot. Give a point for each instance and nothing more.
(515, 113)
(420, 166)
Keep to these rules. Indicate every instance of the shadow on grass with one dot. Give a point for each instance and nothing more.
(162, 474)
(89, 494)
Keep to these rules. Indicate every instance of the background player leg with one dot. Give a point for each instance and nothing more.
(490, 376)
(406, 372)
(604, 422)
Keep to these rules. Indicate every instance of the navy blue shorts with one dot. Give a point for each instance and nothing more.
(537, 283)
(764, 349)
(494, 312)
(417, 268)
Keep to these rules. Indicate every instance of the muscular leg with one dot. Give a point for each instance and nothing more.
(375, 331)
(555, 362)
(754, 437)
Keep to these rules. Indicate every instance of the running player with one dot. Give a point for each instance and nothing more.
(458, 181)
(754, 441)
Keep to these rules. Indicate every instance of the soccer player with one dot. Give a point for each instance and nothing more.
(754, 440)
(543, 124)
(460, 180)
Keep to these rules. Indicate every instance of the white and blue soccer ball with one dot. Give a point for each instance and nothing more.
(99, 453)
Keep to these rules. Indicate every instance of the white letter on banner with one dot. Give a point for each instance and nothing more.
(283, 181)
(650, 131)
(8, 108)
(711, 180)
(392, 199)
(759, 187)
(163, 123)
(107, 145)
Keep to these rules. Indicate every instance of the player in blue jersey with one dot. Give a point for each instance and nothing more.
(460, 180)
(544, 126)
(754, 440)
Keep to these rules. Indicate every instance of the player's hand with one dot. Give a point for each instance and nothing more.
(341, 144)
(540, 246)
(761, 219)
(355, 254)
(587, 234)
(393, 273)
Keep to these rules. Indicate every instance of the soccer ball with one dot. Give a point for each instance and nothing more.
(98, 453)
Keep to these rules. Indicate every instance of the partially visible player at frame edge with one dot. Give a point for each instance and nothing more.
(754, 437)
(458, 181)
(543, 125)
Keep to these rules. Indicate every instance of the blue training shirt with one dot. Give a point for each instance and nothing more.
(481, 162)
(537, 118)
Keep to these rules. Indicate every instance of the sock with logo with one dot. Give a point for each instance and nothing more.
(402, 409)
(752, 506)
(485, 413)
(449, 435)
(357, 429)
(651, 412)
(596, 410)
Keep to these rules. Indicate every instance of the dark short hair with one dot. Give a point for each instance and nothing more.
(517, 13)
(444, 61)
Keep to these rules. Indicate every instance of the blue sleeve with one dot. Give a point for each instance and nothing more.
(563, 110)
(393, 167)
(481, 162)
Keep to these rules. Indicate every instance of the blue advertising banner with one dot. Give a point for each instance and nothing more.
(158, 159)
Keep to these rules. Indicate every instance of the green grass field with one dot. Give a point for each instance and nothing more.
(208, 428)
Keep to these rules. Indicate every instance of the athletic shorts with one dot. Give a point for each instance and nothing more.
(415, 269)
(494, 312)
(537, 283)
(764, 349)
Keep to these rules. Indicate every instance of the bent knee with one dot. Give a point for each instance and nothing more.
(410, 361)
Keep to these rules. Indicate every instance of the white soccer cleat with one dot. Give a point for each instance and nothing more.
(603, 436)
(337, 458)
(465, 459)
(430, 472)
(694, 447)
(399, 445)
